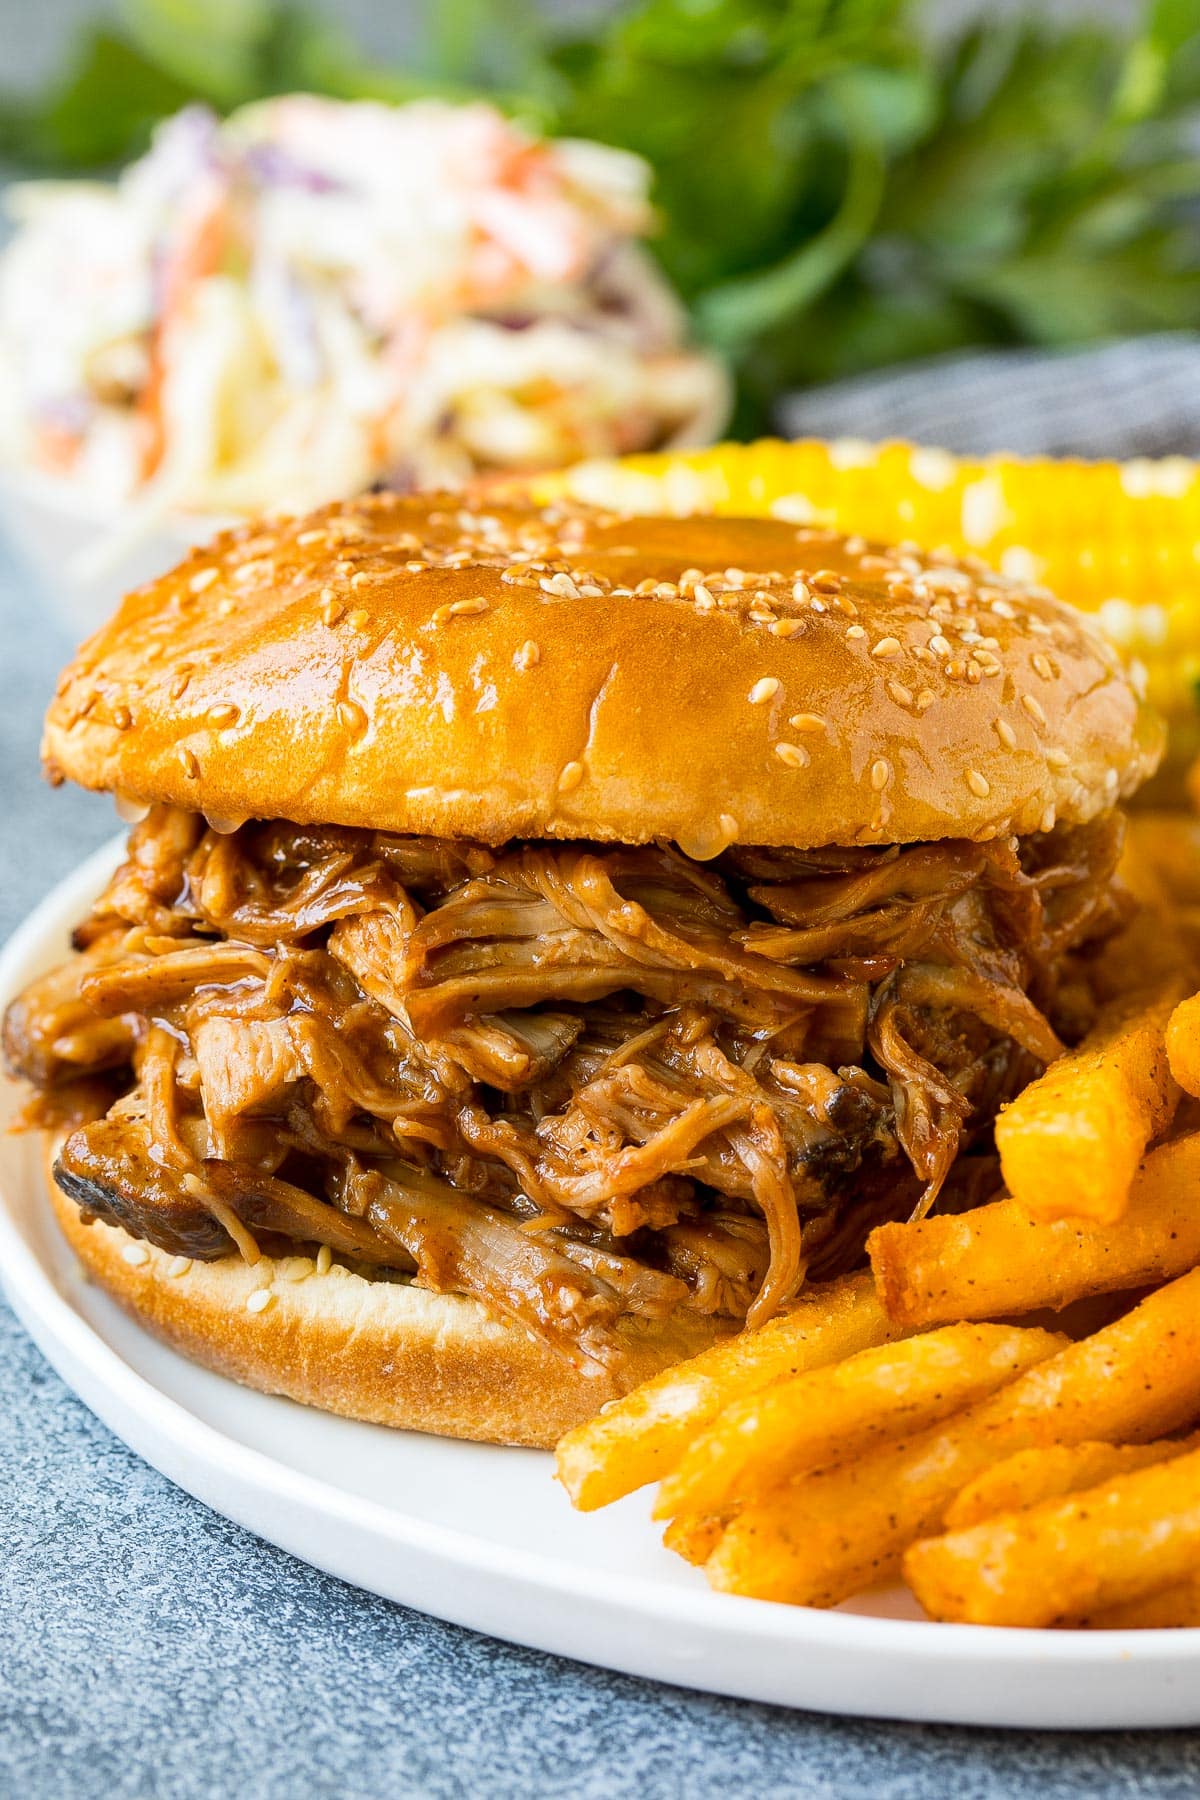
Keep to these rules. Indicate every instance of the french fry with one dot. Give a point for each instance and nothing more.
(996, 1260)
(1183, 1044)
(1167, 846)
(1070, 1143)
(694, 1537)
(642, 1436)
(1055, 1563)
(1033, 1476)
(828, 1415)
(828, 1535)
(1173, 1607)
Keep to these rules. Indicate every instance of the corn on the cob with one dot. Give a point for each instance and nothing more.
(1121, 540)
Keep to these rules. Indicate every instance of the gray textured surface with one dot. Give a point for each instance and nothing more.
(150, 1648)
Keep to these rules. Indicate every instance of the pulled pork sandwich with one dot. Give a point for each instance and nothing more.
(552, 938)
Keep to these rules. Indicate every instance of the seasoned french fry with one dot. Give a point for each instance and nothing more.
(1168, 1610)
(642, 1436)
(694, 1537)
(1033, 1476)
(1058, 1562)
(828, 1415)
(830, 1534)
(996, 1260)
(1183, 1044)
(1070, 1143)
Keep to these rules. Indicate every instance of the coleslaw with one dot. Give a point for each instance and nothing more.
(313, 296)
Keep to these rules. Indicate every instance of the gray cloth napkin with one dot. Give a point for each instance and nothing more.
(1139, 397)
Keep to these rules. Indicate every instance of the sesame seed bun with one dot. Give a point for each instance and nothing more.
(376, 1350)
(405, 664)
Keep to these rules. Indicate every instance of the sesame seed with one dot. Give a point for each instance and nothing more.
(735, 577)
(807, 722)
(191, 766)
(1058, 759)
(846, 605)
(178, 1265)
(763, 690)
(351, 715)
(941, 646)
(785, 627)
(324, 1259)
(902, 695)
(979, 785)
(729, 826)
(1033, 708)
(826, 581)
(416, 565)
(224, 608)
(1006, 734)
(136, 1255)
(225, 714)
(203, 578)
(855, 631)
(310, 537)
(1043, 666)
(297, 1268)
(466, 609)
(259, 1300)
(1046, 822)
(570, 778)
(179, 686)
(528, 656)
(887, 646)
(801, 593)
(794, 755)
(357, 619)
(925, 699)
(881, 774)
(948, 581)
(702, 598)
(122, 718)
(561, 584)
(818, 606)
(331, 611)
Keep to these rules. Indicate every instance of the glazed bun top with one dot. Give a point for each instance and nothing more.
(434, 665)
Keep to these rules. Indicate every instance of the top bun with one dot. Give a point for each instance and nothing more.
(436, 665)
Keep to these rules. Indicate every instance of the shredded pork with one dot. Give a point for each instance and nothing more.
(576, 1082)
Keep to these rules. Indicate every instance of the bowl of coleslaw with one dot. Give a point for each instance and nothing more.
(312, 297)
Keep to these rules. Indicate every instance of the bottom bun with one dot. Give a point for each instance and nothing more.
(374, 1350)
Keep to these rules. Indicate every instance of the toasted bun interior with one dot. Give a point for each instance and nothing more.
(416, 665)
(381, 1351)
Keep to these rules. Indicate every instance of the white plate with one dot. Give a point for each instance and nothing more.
(485, 1538)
